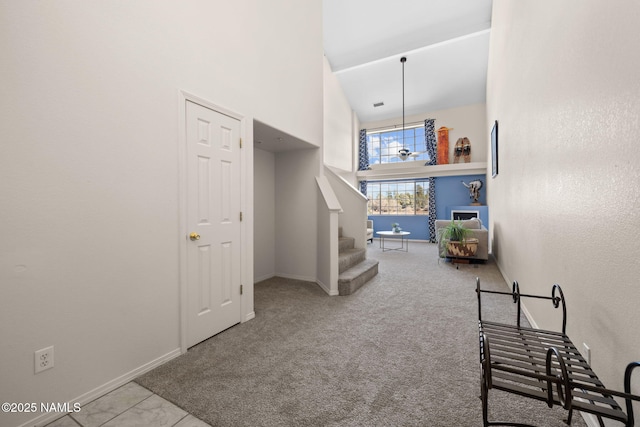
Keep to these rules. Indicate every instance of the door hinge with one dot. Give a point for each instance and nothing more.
(240, 142)
(240, 215)
(241, 289)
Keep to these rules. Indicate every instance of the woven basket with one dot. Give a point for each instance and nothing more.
(468, 248)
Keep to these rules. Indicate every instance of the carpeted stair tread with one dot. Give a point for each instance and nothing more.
(350, 257)
(346, 243)
(352, 279)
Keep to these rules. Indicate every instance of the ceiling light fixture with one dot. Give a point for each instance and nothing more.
(404, 152)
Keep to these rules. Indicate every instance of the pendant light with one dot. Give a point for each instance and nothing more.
(404, 152)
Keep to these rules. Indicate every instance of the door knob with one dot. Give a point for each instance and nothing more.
(194, 236)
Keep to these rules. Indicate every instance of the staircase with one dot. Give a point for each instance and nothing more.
(353, 266)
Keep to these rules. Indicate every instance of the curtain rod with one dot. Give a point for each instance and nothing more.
(398, 126)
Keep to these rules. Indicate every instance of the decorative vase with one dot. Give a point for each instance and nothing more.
(466, 248)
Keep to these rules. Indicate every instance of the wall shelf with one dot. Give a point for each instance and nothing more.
(405, 170)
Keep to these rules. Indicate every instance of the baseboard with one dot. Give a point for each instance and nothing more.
(327, 289)
(590, 419)
(324, 287)
(502, 273)
(509, 283)
(105, 388)
(532, 322)
(249, 316)
(296, 277)
(263, 278)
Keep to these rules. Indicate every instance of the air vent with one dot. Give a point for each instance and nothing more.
(378, 104)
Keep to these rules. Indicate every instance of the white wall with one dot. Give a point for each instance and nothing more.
(285, 226)
(89, 187)
(468, 120)
(329, 209)
(324, 274)
(353, 217)
(296, 213)
(338, 124)
(563, 84)
(264, 223)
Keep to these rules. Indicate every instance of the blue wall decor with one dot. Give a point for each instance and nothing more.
(451, 192)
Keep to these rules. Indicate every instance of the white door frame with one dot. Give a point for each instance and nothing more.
(246, 205)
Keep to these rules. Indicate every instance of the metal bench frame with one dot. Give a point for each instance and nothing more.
(544, 365)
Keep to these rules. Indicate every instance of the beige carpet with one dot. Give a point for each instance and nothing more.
(401, 351)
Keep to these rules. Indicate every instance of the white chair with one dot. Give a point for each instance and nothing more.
(369, 230)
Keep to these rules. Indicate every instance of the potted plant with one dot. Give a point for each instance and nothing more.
(396, 227)
(455, 240)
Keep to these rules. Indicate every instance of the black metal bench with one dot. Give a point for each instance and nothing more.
(544, 365)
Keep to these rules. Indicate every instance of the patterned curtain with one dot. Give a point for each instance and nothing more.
(430, 142)
(363, 159)
(432, 209)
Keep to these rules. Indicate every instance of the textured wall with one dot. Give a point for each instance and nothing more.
(563, 84)
(338, 126)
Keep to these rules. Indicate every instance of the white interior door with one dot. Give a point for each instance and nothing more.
(213, 221)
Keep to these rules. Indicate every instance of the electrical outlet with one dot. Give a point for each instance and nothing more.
(587, 353)
(43, 359)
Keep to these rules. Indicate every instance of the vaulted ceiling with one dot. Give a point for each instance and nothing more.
(446, 43)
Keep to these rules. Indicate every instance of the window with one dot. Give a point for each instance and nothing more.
(383, 147)
(398, 197)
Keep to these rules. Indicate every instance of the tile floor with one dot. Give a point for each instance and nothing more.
(129, 406)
